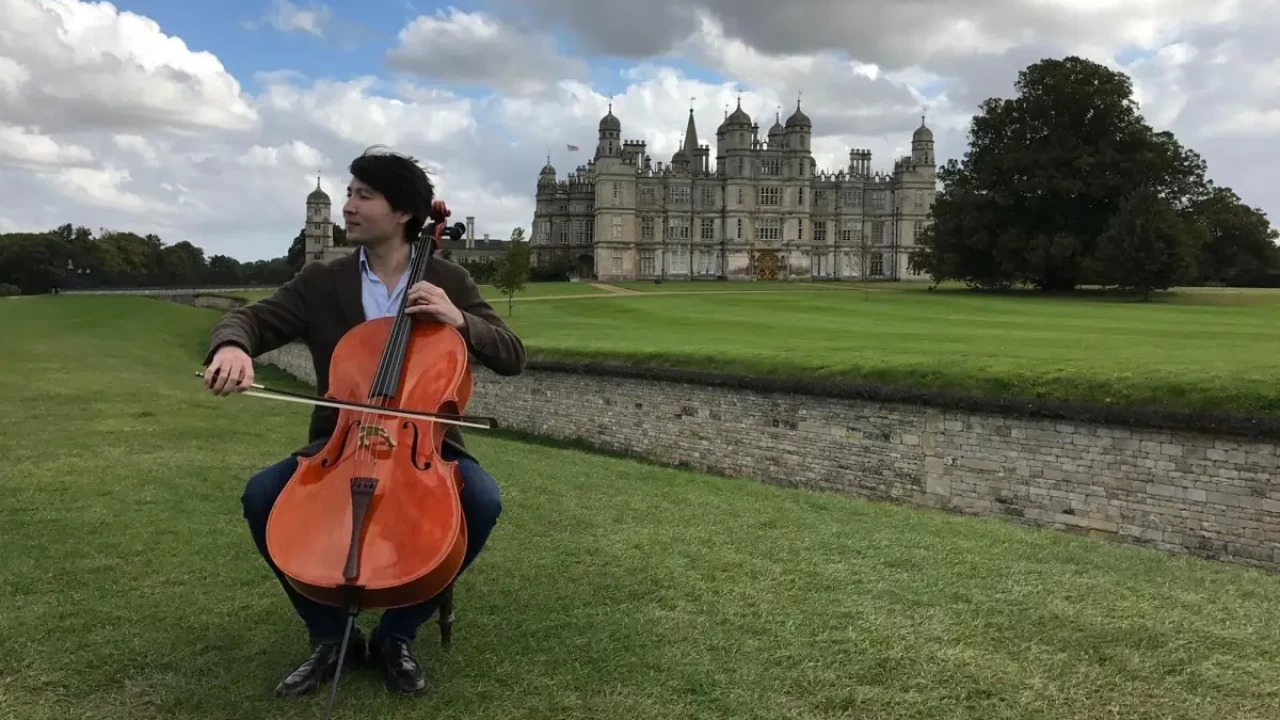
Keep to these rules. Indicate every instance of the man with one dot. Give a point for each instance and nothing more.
(388, 200)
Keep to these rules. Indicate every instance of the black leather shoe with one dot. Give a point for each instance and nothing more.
(319, 668)
(400, 670)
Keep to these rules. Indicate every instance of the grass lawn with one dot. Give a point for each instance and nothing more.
(1205, 349)
(611, 589)
(1212, 350)
(491, 293)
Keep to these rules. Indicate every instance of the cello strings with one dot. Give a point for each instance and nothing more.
(400, 329)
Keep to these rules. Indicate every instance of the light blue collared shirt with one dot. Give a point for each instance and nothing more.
(378, 300)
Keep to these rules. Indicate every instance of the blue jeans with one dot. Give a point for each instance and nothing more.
(481, 506)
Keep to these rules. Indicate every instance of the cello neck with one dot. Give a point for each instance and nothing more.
(386, 383)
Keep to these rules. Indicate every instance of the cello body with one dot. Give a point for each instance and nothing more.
(374, 520)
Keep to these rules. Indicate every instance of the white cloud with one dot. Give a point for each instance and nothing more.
(106, 121)
(463, 47)
(287, 17)
(68, 65)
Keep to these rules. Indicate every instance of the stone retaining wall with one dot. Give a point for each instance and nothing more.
(1207, 494)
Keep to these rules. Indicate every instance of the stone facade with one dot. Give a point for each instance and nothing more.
(764, 211)
(1212, 496)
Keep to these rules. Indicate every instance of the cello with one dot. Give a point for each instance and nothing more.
(374, 519)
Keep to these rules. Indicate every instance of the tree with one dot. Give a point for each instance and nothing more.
(1146, 247)
(1240, 244)
(513, 268)
(1045, 173)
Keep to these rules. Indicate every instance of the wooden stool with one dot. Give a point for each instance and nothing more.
(445, 618)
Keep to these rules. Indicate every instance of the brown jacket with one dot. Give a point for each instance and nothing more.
(323, 301)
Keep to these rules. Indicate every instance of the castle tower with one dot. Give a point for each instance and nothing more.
(319, 228)
(610, 142)
(797, 170)
(541, 231)
(733, 144)
(922, 145)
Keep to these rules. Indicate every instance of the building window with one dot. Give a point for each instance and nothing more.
(647, 265)
(617, 193)
(800, 197)
(877, 201)
(708, 229)
(768, 196)
(770, 166)
(679, 193)
(708, 197)
(769, 229)
(877, 265)
(648, 195)
(617, 228)
(800, 229)
(646, 228)
(678, 229)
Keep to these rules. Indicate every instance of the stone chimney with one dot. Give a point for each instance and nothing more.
(471, 232)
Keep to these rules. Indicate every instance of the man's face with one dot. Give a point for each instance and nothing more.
(369, 218)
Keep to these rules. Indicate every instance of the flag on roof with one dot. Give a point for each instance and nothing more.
(573, 148)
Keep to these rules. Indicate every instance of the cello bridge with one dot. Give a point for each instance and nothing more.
(375, 437)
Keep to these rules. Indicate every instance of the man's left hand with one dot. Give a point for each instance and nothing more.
(430, 301)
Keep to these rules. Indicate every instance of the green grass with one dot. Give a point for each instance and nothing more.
(491, 293)
(610, 589)
(1211, 351)
(1197, 349)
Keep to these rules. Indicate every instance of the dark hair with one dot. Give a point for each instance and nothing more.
(401, 181)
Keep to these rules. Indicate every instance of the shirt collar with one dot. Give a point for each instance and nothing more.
(364, 259)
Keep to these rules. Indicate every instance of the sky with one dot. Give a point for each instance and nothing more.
(210, 122)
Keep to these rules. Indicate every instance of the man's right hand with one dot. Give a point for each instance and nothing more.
(231, 371)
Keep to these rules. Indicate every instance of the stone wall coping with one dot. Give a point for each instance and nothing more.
(1195, 421)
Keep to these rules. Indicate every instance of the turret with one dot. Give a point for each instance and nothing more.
(799, 130)
(776, 132)
(610, 143)
(733, 140)
(922, 145)
(318, 233)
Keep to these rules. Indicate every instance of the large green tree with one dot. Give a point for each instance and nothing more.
(1146, 247)
(1045, 173)
(1239, 246)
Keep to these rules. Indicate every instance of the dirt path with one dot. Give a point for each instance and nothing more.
(616, 290)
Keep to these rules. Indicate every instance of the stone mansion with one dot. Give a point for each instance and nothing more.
(764, 211)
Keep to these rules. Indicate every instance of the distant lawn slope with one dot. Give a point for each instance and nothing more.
(611, 589)
(1193, 349)
(492, 294)
(1214, 351)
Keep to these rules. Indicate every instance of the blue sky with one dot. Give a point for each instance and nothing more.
(152, 137)
(371, 27)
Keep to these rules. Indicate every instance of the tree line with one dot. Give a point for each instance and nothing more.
(1065, 185)
(73, 257)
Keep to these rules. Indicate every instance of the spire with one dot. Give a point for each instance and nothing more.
(691, 134)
